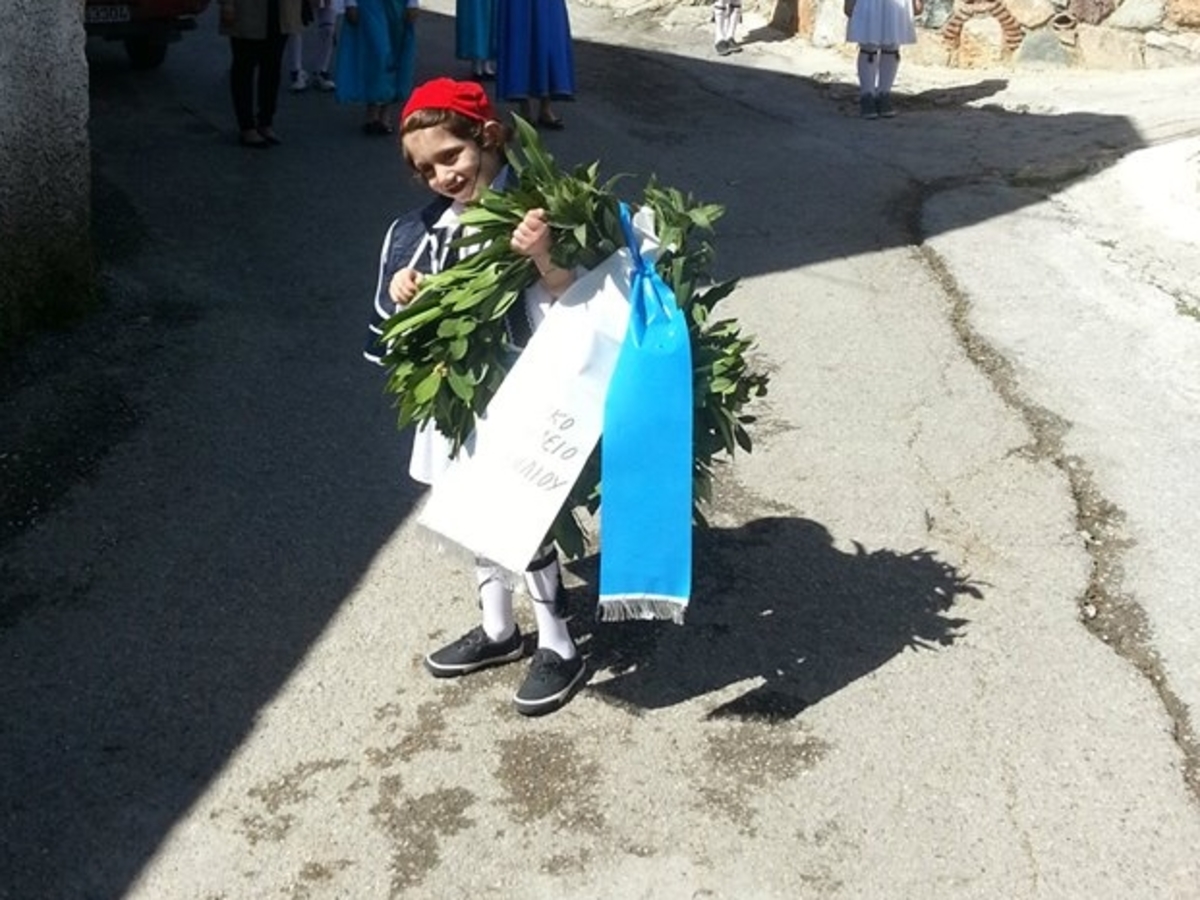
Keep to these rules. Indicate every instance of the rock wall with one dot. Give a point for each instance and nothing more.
(1096, 34)
(46, 266)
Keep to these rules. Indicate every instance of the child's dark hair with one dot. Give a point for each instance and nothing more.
(462, 127)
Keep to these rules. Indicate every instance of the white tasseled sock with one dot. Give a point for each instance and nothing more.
(868, 71)
(495, 599)
(552, 631)
(889, 63)
(720, 22)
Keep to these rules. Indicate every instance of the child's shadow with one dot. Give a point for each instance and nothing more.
(775, 602)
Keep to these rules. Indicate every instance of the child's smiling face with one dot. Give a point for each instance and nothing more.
(452, 166)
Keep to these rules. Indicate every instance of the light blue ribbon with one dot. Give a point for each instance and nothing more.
(646, 457)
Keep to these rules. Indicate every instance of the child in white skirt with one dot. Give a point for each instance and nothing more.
(879, 27)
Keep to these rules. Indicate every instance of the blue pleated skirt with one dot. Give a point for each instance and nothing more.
(376, 59)
(534, 57)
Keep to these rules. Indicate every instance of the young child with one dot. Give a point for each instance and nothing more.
(326, 18)
(879, 27)
(475, 36)
(454, 141)
(535, 58)
(377, 57)
(727, 14)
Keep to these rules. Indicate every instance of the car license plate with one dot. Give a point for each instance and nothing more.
(98, 15)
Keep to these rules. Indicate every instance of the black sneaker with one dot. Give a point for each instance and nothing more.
(723, 48)
(474, 650)
(549, 682)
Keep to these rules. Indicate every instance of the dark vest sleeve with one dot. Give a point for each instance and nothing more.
(403, 247)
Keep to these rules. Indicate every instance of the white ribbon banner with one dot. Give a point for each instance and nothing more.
(503, 491)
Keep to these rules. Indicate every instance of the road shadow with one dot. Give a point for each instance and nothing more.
(774, 602)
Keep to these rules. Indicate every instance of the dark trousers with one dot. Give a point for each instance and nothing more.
(263, 59)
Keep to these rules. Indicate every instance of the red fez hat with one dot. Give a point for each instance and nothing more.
(463, 97)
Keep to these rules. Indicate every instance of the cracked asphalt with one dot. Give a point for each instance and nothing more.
(944, 636)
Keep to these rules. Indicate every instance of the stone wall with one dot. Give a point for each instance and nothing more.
(46, 265)
(1096, 34)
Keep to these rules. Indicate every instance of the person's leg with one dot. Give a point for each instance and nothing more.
(241, 88)
(496, 640)
(868, 79)
(889, 64)
(326, 24)
(721, 16)
(546, 115)
(544, 583)
(376, 121)
(269, 70)
(557, 667)
(295, 52)
(735, 19)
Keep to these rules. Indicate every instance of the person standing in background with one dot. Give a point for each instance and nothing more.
(258, 31)
(377, 58)
(475, 36)
(534, 57)
(324, 12)
(727, 15)
(879, 27)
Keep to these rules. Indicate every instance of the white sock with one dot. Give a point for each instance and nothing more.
(868, 70)
(552, 631)
(889, 63)
(325, 42)
(296, 53)
(721, 17)
(495, 599)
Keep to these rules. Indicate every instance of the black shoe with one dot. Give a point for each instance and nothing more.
(474, 650)
(375, 128)
(723, 48)
(549, 684)
(251, 138)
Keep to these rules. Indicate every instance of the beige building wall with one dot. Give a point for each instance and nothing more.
(46, 265)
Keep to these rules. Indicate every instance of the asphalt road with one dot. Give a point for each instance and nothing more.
(898, 676)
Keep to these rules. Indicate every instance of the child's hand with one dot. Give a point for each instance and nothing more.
(411, 14)
(532, 238)
(918, 7)
(403, 286)
(351, 15)
(848, 7)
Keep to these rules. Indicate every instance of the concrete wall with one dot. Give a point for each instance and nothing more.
(46, 264)
(1093, 34)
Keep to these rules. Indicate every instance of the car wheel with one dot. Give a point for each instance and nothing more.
(145, 53)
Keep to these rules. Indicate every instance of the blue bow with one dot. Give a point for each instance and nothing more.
(646, 456)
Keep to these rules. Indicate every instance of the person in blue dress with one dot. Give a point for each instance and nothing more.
(475, 36)
(534, 57)
(376, 58)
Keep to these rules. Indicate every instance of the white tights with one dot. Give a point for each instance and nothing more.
(877, 67)
(326, 17)
(726, 15)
